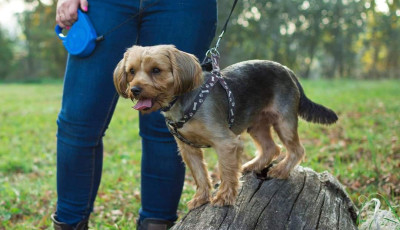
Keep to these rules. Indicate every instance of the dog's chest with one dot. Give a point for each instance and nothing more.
(196, 132)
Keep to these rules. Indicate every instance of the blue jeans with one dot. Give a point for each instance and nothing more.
(89, 99)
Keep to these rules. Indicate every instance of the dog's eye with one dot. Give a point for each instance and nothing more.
(156, 70)
(132, 71)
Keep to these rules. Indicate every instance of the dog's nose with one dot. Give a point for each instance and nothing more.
(136, 90)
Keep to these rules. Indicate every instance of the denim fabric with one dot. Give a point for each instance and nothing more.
(89, 99)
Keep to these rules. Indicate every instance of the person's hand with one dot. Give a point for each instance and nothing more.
(67, 11)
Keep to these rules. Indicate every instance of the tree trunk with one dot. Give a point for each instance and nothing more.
(307, 200)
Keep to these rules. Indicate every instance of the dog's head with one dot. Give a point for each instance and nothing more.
(154, 75)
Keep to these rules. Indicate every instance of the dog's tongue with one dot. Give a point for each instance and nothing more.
(143, 104)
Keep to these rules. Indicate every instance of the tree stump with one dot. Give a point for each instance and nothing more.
(307, 200)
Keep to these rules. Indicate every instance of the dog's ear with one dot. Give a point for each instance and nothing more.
(186, 70)
(120, 77)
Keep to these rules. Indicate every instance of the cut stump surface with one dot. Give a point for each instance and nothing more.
(307, 200)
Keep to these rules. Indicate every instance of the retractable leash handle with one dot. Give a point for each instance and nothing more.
(81, 38)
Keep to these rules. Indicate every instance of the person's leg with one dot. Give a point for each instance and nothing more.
(190, 26)
(89, 99)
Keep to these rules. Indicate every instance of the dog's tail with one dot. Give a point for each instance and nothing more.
(313, 112)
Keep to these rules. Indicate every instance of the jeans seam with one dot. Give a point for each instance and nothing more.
(94, 154)
(141, 9)
(102, 130)
(139, 20)
(91, 183)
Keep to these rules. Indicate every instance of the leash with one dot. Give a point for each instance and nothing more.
(211, 64)
(101, 37)
(207, 62)
(225, 26)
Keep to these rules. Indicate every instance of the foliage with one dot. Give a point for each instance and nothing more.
(293, 32)
(6, 54)
(382, 41)
(341, 38)
(362, 150)
(41, 54)
(315, 38)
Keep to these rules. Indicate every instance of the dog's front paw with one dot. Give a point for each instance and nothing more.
(222, 199)
(279, 171)
(197, 201)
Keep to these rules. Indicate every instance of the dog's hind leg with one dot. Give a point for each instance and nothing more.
(193, 157)
(229, 152)
(286, 128)
(267, 150)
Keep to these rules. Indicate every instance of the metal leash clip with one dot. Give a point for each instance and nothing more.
(212, 57)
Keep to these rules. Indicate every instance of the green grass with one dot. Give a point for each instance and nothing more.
(362, 150)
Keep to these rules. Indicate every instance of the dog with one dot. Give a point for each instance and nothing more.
(267, 96)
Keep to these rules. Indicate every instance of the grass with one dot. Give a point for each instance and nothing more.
(362, 150)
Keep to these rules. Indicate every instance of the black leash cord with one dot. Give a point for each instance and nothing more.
(101, 37)
(226, 25)
(206, 63)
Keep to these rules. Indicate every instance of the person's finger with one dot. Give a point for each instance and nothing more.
(84, 5)
(60, 19)
(70, 15)
(73, 13)
(65, 18)
(60, 23)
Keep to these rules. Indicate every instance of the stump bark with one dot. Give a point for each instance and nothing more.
(307, 200)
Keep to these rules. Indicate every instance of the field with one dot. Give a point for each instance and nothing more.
(362, 150)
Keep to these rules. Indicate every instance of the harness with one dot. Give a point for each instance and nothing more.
(211, 60)
(205, 90)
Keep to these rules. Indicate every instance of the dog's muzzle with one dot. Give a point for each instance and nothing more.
(136, 90)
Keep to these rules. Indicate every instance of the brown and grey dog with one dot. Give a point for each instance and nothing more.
(267, 96)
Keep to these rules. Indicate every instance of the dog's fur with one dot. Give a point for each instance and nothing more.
(267, 96)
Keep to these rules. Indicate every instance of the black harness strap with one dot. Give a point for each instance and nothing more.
(173, 129)
(231, 100)
(166, 109)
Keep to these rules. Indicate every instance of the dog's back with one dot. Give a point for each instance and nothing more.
(257, 84)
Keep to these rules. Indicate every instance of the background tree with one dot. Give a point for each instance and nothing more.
(44, 55)
(392, 38)
(6, 54)
(315, 38)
